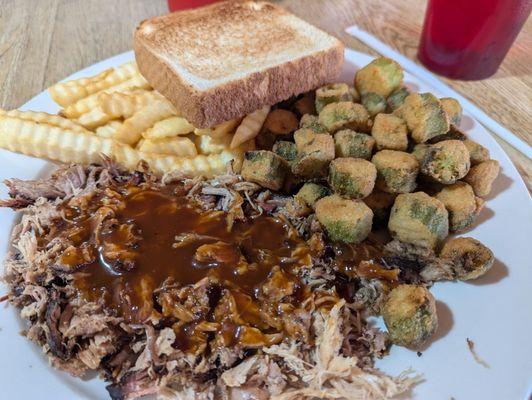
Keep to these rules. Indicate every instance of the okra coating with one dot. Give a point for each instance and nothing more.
(410, 316)
(332, 93)
(460, 201)
(453, 109)
(374, 103)
(382, 76)
(349, 143)
(482, 176)
(477, 152)
(265, 168)
(311, 122)
(310, 193)
(380, 203)
(424, 116)
(314, 153)
(396, 171)
(419, 219)
(470, 258)
(446, 161)
(352, 177)
(280, 122)
(286, 150)
(345, 115)
(390, 132)
(397, 98)
(344, 220)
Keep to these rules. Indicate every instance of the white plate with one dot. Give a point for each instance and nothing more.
(495, 311)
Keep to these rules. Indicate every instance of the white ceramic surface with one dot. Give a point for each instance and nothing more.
(494, 311)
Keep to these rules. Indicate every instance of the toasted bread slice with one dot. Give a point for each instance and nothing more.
(228, 59)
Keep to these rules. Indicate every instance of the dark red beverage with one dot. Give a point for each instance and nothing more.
(468, 39)
(175, 5)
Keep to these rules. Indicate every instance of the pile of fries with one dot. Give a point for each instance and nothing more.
(118, 114)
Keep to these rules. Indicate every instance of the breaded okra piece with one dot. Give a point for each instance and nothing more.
(374, 103)
(349, 143)
(345, 115)
(382, 76)
(410, 315)
(333, 93)
(397, 98)
(280, 122)
(286, 150)
(311, 122)
(477, 152)
(390, 132)
(446, 161)
(344, 220)
(314, 153)
(461, 203)
(352, 177)
(470, 258)
(419, 219)
(396, 171)
(265, 168)
(453, 109)
(310, 193)
(482, 176)
(424, 116)
(380, 203)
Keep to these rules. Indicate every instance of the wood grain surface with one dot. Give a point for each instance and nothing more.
(42, 41)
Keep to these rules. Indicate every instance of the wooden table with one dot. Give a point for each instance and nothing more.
(43, 41)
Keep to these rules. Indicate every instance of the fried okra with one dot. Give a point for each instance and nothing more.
(477, 152)
(381, 76)
(380, 203)
(305, 105)
(286, 150)
(332, 93)
(410, 315)
(374, 103)
(345, 115)
(352, 177)
(265, 168)
(349, 143)
(419, 219)
(397, 98)
(446, 161)
(355, 96)
(310, 193)
(311, 122)
(453, 109)
(396, 171)
(470, 258)
(390, 132)
(424, 116)
(280, 122)
(344, 220)
(461, 203)
(482, 176)
(314, 153)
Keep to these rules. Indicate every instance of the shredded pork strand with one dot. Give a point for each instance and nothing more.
(139, 359)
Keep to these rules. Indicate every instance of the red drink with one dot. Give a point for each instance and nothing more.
(175, 5)
(468, 39)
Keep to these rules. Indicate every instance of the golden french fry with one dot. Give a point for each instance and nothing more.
(125, 104)
(250, 126)
(213, 145)
(66, 93)
(177, 146)
(86, 104)
(94, 118)
(51, 142)
(168, 127)
(131, 130)
(219, 130)
(44, 118)
(108, 130)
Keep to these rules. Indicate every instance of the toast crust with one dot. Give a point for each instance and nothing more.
(200, 92)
